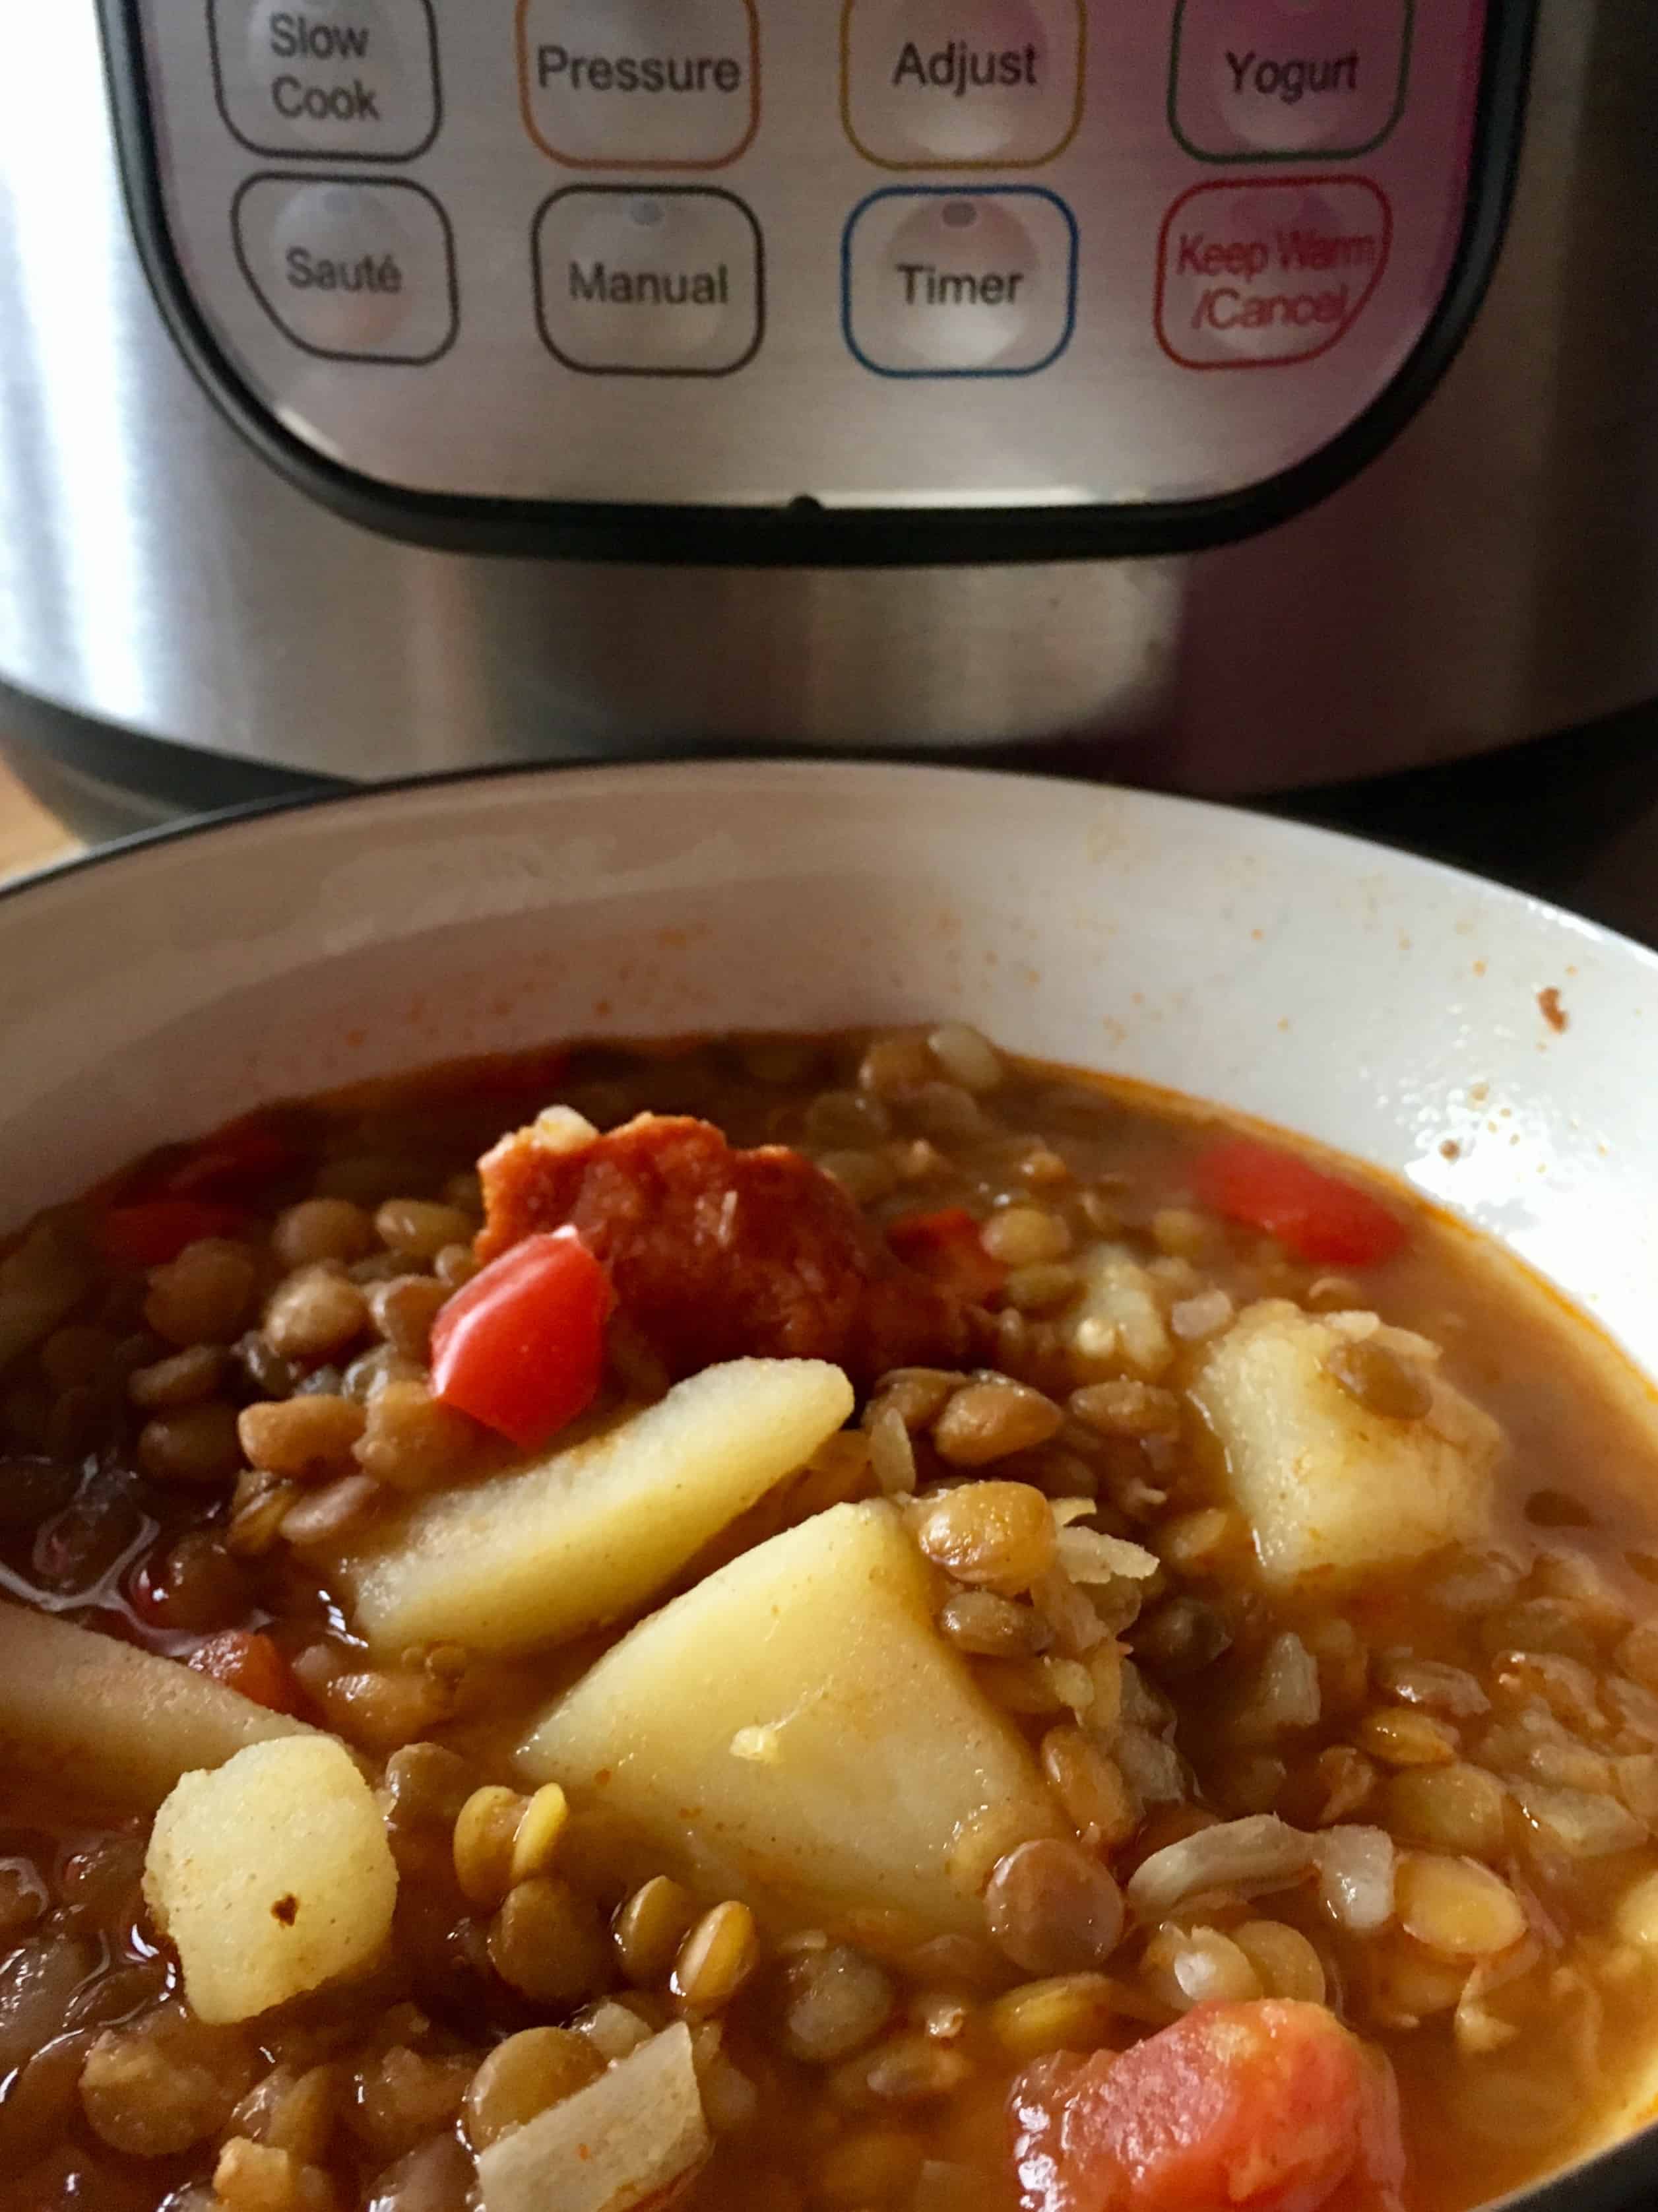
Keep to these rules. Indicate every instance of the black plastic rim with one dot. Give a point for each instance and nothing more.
(803, 533)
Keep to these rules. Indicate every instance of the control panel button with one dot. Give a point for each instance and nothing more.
(1276, 80)
(351, 79)
(1257, 275)
(955, 84)
(649, 283)
(358, 271)
(938, 282)
(640, 84)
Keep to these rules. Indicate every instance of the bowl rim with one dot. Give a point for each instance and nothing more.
(715, 766)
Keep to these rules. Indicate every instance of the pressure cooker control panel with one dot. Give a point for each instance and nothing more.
(879, 253)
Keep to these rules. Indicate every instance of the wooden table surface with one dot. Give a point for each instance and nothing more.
(29, 837)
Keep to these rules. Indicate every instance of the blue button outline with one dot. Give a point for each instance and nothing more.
(958, 193)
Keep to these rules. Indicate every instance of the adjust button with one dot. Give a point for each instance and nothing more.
(357, 271)
(955, 84)
(665, 281)
(640, 84)
(1276, 80)
(350, 79)
(937, 283)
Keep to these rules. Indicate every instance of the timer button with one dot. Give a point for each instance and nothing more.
(958, 84)
(1276, 80)
(356, 271)
(632, 282)
(945, 284)
(640, 84)
(349, 79)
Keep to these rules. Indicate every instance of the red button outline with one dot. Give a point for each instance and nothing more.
(1251, 184)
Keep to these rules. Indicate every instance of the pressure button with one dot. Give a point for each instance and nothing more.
(350, 79)
(641, 84)
(954, 84)
(945, 283)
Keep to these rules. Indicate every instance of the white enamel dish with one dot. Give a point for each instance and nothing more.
(1499, 1056)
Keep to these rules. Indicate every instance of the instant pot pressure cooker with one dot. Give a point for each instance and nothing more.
(392, 386)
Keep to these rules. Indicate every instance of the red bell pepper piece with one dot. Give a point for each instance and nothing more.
(521, 1346)
(1314, 1215)
(156, 1230)
(244, 1661)
(239, 1158)
(947, 1248)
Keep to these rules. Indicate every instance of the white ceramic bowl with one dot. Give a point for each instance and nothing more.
(1388, 1006)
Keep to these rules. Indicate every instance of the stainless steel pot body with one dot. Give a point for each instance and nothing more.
(1493, 575)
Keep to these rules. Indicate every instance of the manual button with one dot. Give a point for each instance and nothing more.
(355, 271)
(356, 79)
(649, 283)
(955, 84)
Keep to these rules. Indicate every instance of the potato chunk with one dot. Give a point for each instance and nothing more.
(119, 1724)
(271, 1875)
(794, 1731)
(1326, 1484)
(625, 2142)
(586, 1535)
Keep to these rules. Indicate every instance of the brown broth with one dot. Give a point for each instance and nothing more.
(1577, 1497)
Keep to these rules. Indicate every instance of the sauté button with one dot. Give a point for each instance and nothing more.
(937, 283)
(1259, 275)
(954, 84)
(358, 271)
(638, 281)
(640, 84)
(1277, 80)
(351, 78)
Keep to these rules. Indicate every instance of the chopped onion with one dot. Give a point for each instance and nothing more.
(1153, 1770)
(1260, 1852)
(1356, 1869)
(1088, 1555)
(1286, 1693)
(1581, 1825)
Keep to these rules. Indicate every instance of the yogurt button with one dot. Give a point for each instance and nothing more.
(931, 84)
(356, 78)
(359, 271)
(959, 284)
(1284, 78)
(644, 282)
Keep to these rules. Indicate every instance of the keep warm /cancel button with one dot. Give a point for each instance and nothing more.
(1256, 276)
(633, 282)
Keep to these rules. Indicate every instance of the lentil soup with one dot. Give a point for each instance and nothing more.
(805, 1623)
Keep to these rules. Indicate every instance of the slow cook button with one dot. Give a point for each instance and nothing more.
(1256, 275)
(351, 77)
(632, 282)
(357, 271)
(934, 84)
(641, 84)
(1279, 79)
(937, 283)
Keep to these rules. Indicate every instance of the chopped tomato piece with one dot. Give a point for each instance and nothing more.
(946, 1248)
(157, 1230)
(238, 1159)
(521, 1346)
(1314, 1215)
(1268, 2107)
(244, 1661)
